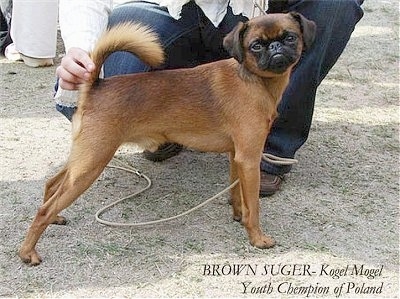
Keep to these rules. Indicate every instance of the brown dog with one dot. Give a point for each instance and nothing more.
(224, 106)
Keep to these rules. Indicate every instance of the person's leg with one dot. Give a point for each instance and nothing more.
(180, 38)
(188, 42)
(5, 22)
(34, 30)
(335, 22)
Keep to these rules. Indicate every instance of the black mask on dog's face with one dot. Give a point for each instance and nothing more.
(276, 55)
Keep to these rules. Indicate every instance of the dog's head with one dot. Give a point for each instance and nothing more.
(270, 45)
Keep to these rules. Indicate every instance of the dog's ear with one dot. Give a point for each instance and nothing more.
(308, 28)
(233, 42)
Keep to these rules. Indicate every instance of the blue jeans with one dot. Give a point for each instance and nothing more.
(193, 40)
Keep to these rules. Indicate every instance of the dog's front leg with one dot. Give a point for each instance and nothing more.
(236, 196)
(249, 174)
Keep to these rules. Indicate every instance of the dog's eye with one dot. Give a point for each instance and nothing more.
(256, 46)
(290, 38)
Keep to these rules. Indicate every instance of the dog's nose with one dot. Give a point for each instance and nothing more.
(274, 46)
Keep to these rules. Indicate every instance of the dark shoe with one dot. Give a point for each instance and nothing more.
(164, 152)
(269, 183)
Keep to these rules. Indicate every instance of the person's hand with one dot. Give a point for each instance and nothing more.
(75, 69)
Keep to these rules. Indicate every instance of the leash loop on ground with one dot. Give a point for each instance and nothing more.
(137, 224)
(267, 157)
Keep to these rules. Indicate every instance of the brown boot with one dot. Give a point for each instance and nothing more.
(269, 183)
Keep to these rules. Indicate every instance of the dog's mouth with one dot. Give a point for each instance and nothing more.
(278, 63)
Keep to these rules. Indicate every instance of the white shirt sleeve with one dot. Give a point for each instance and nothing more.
(83, 21)
(247, 7)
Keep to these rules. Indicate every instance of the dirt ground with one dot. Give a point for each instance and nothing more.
(337, 213)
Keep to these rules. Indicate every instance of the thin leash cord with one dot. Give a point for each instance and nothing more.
(267, 157)
(136, 224)
(262, 7)
(270, 158)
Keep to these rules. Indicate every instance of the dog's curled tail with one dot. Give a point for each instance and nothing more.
(135, 38)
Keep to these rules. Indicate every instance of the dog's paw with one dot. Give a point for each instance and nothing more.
(237, 212)
(263, 242)
(31, 257)
(60, 220)
(237, 218)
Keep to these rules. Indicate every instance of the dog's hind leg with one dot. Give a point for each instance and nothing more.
(87, 160)
(51, 187)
